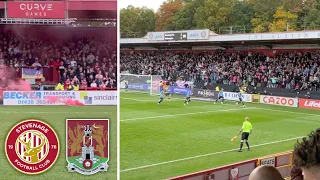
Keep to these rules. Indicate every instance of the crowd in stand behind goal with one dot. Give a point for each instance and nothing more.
(81, 62)
(289, 70)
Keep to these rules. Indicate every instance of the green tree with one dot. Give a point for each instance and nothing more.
(183, 19)
(213, 14)
(312, 20)
(136, 22)
(240, 16)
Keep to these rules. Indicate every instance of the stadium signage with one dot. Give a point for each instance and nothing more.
(175, 36)
(177, 90)
(235, 96)
(155, 36)
(136, 86)
(29, 98)
(205, 93)
(309, 104)
(293, 35)
(42, 9)
(234, 173)
(198, 34)
(179, 35)
(268, 162)
(277, 100)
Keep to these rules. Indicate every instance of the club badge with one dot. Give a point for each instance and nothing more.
(87, 145)
(32, 147)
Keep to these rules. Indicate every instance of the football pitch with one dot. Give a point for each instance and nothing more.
(170, 139)
(56, 117)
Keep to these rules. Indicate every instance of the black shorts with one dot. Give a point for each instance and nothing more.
(187, 98)
(240, 99)
(245, 136)
(126, 87)
(167, 94)
(220, 97)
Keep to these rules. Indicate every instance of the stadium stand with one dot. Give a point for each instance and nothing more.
(285, 70)
(86, 56)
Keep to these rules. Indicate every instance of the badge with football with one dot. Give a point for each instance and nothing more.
(32, 146)
(87, 145)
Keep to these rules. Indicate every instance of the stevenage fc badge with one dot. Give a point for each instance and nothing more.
(32, 147)
(87, 145)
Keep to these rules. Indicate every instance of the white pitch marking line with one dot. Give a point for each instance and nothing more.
(149, 100)
(174, 115)
(15, 112)
(204, 155)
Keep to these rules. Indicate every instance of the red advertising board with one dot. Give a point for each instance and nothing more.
(309, 104)
(38, 10)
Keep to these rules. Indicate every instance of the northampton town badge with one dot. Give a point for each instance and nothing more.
(87, 145)
(32, 146)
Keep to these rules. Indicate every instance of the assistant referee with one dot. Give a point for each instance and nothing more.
(246, 131)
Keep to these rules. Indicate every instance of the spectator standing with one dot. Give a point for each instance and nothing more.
(307, 155)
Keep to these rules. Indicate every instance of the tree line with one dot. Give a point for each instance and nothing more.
(222, 16)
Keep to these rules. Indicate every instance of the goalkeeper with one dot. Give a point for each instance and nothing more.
(246, 131)
(126, 85)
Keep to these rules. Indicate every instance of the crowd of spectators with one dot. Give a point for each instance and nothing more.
(298, 71)
(87, 62)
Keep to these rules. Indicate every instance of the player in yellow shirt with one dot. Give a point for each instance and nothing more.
(246, 131)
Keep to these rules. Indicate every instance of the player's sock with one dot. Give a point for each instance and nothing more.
(185, 102)
(189, 100)
(241, 145)
(160, 101)
(248, 145)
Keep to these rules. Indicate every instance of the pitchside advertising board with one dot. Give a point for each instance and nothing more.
(278, 100)
(210, 94)
(309, 104)
(45, 97)
(36, 10)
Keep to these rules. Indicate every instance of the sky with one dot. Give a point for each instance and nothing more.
(153, 4)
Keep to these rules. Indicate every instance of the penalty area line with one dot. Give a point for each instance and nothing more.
(185, 114)
(204, 155)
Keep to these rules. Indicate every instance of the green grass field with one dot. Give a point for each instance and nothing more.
(56, 117)
(167, 140)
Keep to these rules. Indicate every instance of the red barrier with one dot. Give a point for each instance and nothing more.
(1, 92)
(309, 104)
(237, 171)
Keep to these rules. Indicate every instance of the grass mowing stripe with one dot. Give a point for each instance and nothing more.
(276, 110)
(184, 114)
(204, 155)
